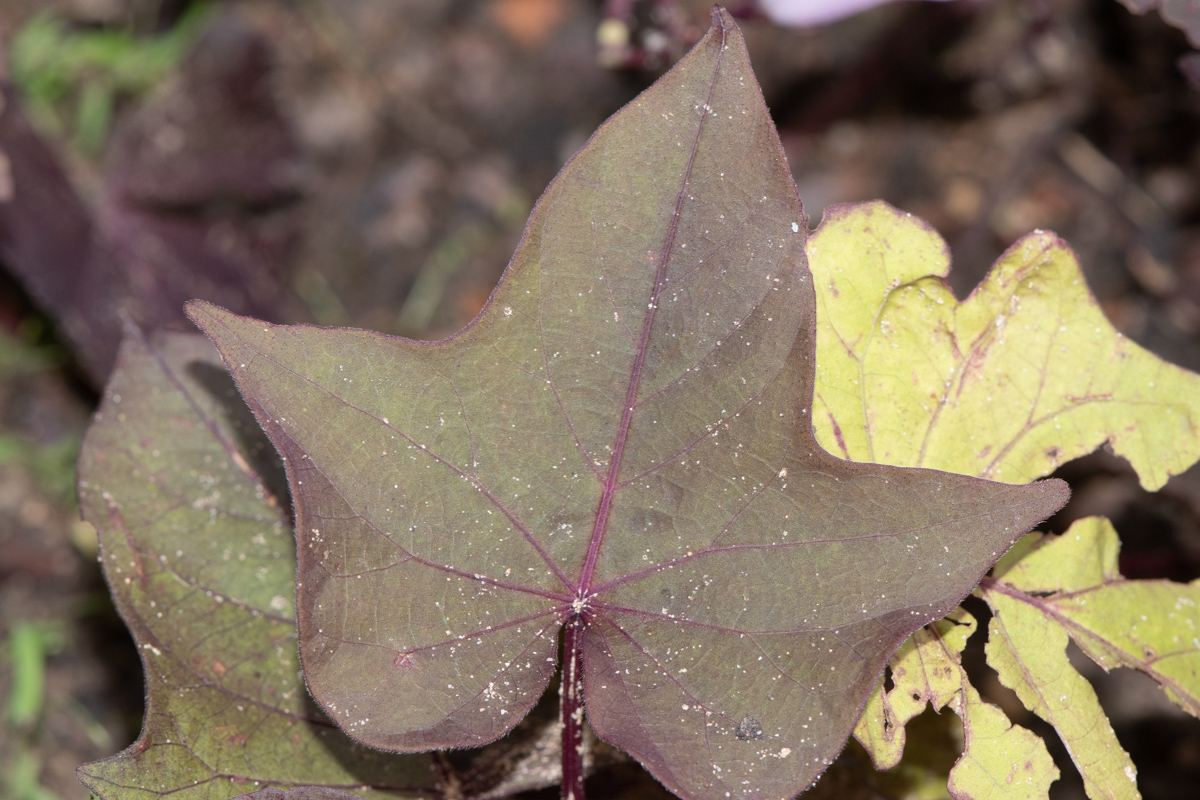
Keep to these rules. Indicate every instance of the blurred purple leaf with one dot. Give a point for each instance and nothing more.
(1189, 65)
(1185, 15)
(193, 204)
(49, 241)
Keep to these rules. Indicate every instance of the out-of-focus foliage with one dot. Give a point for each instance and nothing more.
(72, 79)
(52, 463)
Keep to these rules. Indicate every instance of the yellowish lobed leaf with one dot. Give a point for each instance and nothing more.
(1029, 652)
(1000, 761)
(875, 730)
(1084, 557)
(924, 670)
(1023, 375)
(1152, 626)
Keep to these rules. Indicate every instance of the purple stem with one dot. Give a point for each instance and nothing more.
(572, 711)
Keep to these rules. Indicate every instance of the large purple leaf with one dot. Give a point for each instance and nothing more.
(621, 441)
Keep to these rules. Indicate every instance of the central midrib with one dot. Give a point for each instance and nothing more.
(599, 529)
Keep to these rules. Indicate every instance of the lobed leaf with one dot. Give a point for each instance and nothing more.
(621, 441)
(1022, 376)
(925, 670)
(999, 760)
(199, 556)
(1152, 626)
(1029, 652)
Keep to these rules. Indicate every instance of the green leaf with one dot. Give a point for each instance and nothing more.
(621, 441)
(201, 563)
(1023, 375)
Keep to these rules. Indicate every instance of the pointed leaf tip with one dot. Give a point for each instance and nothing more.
(209, 317)
(722, 20)
(198, 308)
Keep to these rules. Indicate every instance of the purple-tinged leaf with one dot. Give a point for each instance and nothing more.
(1189, 65)
(201, 563)
(49, 242)
(217, 134)
(300, 793)
(621, 441)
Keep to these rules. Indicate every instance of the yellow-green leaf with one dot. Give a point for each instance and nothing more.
(1020, 377)
(1083, 558)
(924, 670)
(1152, 626)
(1029, 652)
(1000, 761)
